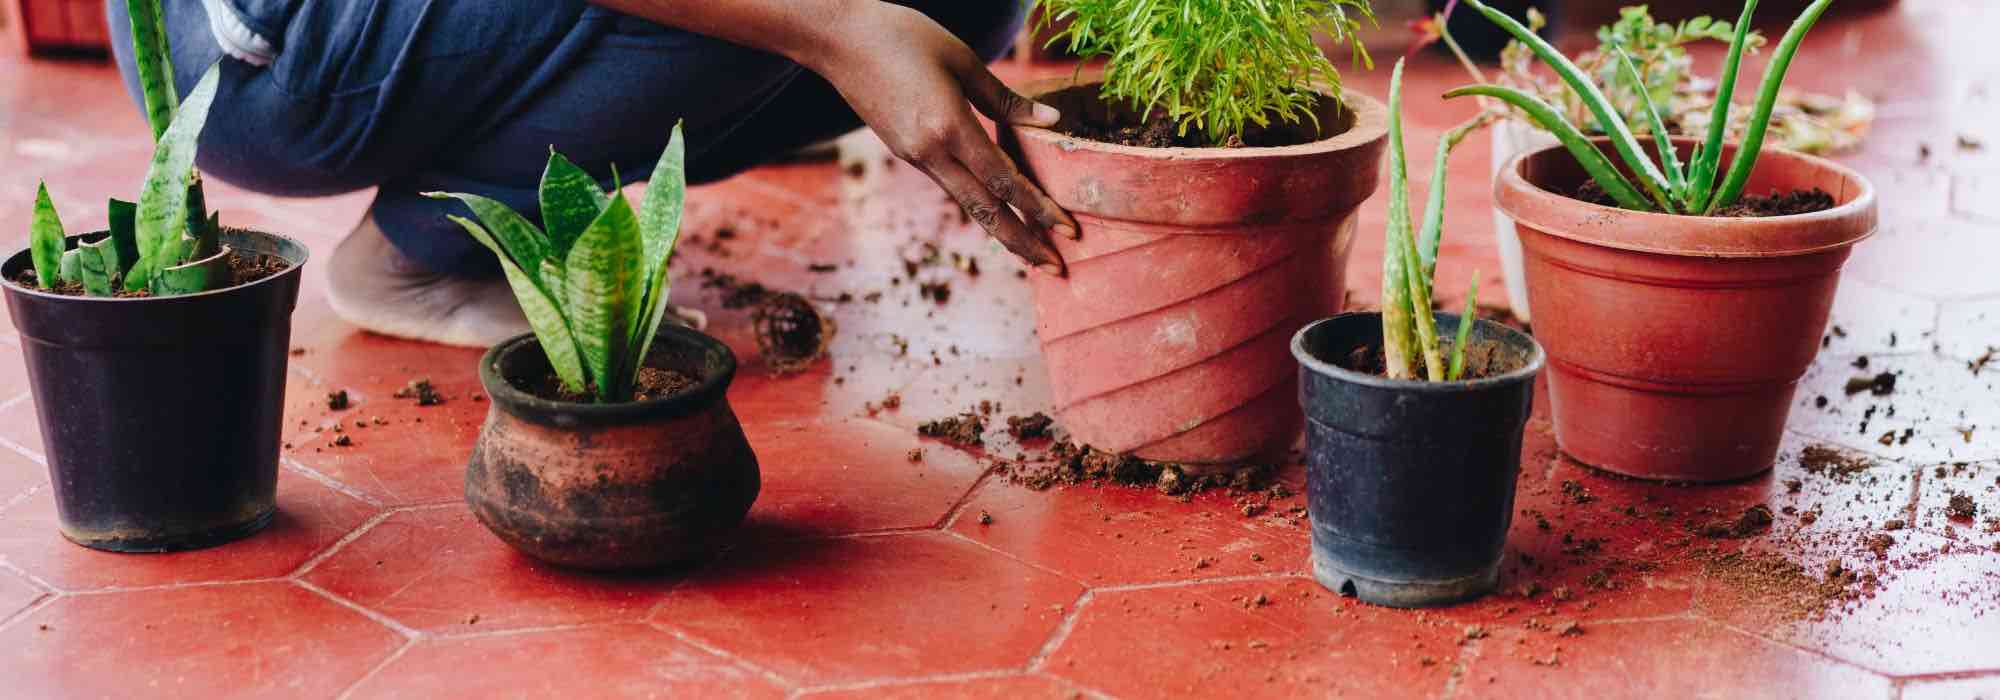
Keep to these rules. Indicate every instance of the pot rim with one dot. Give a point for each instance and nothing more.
(296, 267)
(1526, 203)
(1371, 121)
(1525, 373)
(707, 389)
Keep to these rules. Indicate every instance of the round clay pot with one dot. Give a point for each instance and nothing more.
(1675, 342)
(1169, 337)
(607, 487)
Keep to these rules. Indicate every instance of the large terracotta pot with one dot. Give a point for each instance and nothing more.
(1170, 337)
(1675, 342)
(636, 485)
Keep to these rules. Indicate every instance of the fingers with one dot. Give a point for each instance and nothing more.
(1005, 181)
(1000, 103)
(994, 216)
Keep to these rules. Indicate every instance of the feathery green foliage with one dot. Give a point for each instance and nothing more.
(594, 283)
(1409, 263)
(1218, 67)
(1670, 186)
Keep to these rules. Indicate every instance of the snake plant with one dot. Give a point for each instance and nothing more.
(1667, 186)
(593, 279)
(167, 243)
(1409, 263)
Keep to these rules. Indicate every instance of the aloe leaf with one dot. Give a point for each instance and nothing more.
(1398, 325)
(124, 242)
(1465, 322)
(1593, 161)
(71, 266)
(1432, 232)
(1614, 125)
(96, 271)
(162, 211)
(570, 200)
(154, 63)
(45, 239)
(660, 224)
(1670, 160)
(1701, 173)
(1767, 99)
(201, 275)
(602, 286)
(544, 318)
(518, 237)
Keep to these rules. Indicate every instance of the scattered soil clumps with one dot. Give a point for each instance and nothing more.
(1826, 461)
(422, 391)
(337, 400)
(1755, 520)
(963, 430)
(1961, 507)
(1881, 384)
(1031, 427)
(1071, 464)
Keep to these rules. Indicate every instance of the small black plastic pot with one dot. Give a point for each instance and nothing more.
(1410, 484)
(160, 415)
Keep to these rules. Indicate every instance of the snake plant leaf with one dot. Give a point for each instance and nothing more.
(552, 279)
(544, 318)
(1465, 322)
(154, 63)
(1702, 170)
(71, 266)
(201, 275)
(517, 236)
(570, 200)
(207, 237)
(97, 266)
(45, 239)
(1767, 99)
(603, 282)
(660, 224)
(1670, 159)
(124, 243)
(1593, 161)
(1399, 345)
(162, 211)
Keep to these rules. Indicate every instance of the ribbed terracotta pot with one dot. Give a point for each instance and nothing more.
(1675, 342)
(1170, 337)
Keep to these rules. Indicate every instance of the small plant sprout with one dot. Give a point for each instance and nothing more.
(1410, 344)
(594, 283)
(1218, 67)
(1667, 186)
(167, 243)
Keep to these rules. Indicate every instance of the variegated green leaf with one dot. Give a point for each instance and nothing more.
(200, 275)
(71, 267)
(45, 239)
(518, 237)
(660, 224)
(603, 285)
(552, 279)
(96, 272)
(571, 199)
(207, 238)
(544, 318)
(154, 63)
(124, 243)
(162, 211)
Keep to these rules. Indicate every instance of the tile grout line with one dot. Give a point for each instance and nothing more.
(1063, 630)
(1239, 578)
(362, 529)
(46, 587)
(720, 653)
(379, 618)
(327, 481)
(33, 607)
(896, 681)
(377, 668)
(176, 586)
(540, 629)
(965, 500)
(954, 534)
(1814, 653)
(22, 497)
(1468, 654)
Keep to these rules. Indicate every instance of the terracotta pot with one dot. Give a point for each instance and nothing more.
(628, 486)
(1169, 338)
(1675, 342)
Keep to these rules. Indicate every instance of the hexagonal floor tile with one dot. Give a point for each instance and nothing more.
(414, 454)
(13, 372)
(1908, 193)
(1866, 317)
(1979, 481)
(310, 518)
(852, 475)
(239, 640)
(1968, 330)
(18, 474)
(610, 661)
(1936, 399)
(1940, 258)
(1115, 535)
(1662, 658)
(440, 571)
(1979, 688)
(853, 609)
(1006, 687)
(16, 594)
(19, 426)
(1215, 639)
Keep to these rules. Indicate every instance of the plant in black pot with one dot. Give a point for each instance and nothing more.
(156, 349)
(1414, 420)
(609, 444)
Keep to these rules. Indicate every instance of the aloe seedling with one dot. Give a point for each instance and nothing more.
(1668, 186)
(594, 283)
(167, 243)
(1409, 263)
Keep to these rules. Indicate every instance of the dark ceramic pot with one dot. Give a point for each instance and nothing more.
(1410, 485)
(160, 415)
(612, 487)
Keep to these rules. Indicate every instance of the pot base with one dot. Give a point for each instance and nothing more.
(1403, 594)
(160, 544)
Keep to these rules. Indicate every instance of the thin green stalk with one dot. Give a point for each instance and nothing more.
(1767, 99)
(1465, 322)
(1701, 176)
(1398, 314)
(1433, 228)
(1580, 147)
(1670, 160)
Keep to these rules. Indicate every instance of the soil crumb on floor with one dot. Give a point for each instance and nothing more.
(1827, 461)
(1755, 520)
(964, 430)
(1030, 427)
(1070, 464)
(422, 391)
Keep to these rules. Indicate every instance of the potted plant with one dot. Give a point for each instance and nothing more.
(1414, 421)
(610, 444)
(1679, 312)
(1215, 185)
(157, 349)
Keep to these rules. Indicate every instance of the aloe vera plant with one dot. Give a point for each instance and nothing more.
(1667, 186)
(166, 243)
(593, 282)
(1410, 345)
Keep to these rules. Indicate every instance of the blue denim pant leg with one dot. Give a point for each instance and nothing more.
(468, 95)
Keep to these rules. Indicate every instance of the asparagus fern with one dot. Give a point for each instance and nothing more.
(1410, 344)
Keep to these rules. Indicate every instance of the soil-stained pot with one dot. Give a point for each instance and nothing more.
(1675, 342)
(1410, 484)
(160, 415)
(1168, 338)
(611, 487)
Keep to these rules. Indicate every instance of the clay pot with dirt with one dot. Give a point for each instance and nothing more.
(1675, 342)
(1167, 339)
(624, 486)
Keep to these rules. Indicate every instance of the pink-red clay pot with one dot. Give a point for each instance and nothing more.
(1169, 337)
(1675, 342)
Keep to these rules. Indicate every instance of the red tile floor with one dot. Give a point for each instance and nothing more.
(863, 574)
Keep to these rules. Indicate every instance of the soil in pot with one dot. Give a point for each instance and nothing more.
(244, 269)
(1117, 124)
(1482, 360)
(1750, 206)
(653, 383)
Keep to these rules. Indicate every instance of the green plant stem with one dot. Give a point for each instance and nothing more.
(1670, 160)
(1465, 322)
(1433, 227)
(1701, 175)
(1767, 99)
(1399, 344)
(1580, 147)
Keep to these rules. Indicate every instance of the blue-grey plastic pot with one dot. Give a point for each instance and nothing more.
(1410, 484)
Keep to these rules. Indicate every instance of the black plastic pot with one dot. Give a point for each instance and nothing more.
(1410, 484)
(160, 416)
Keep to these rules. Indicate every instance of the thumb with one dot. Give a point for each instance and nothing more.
(1005, 106)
